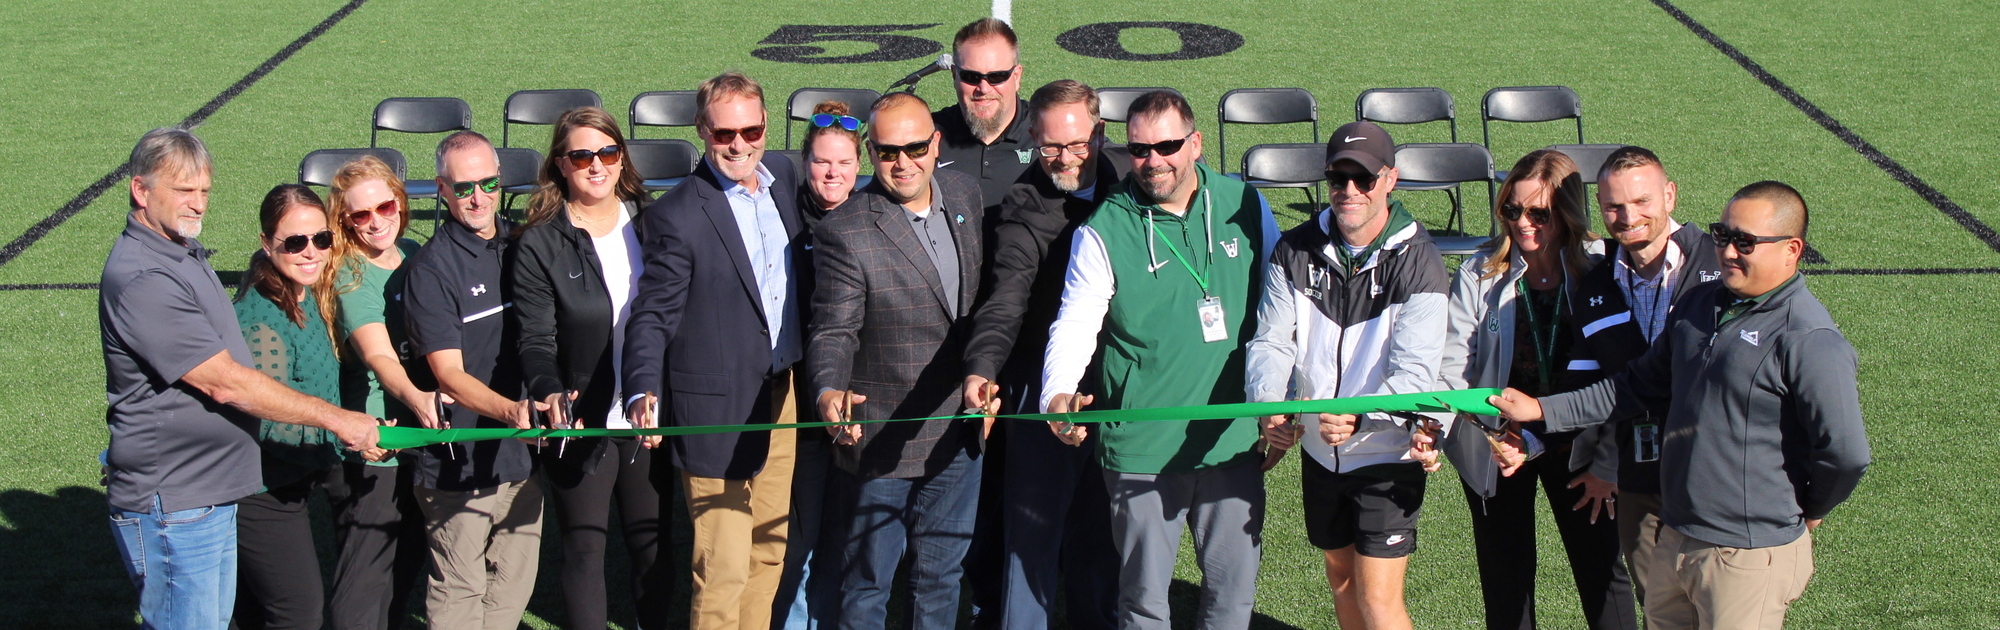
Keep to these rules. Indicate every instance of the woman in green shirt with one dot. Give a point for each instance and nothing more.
(286, 326)
(383, 546)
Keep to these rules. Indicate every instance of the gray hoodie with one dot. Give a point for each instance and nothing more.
(1765, 430)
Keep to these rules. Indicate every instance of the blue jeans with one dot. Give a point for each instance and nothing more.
(1058, 522)
(809, 594)
(183, 563)
(930, 516)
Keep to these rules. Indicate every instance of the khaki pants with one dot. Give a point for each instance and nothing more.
(1697, 585)
(485, 546)
(740, 526)
(1638, 527)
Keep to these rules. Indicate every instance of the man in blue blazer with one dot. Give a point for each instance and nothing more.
(715, 329)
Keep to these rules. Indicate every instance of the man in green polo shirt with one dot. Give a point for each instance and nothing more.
(1161, 292)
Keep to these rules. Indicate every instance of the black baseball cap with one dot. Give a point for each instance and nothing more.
(1362, 142)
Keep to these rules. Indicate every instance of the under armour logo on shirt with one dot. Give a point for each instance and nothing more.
(479, 289)
(1749, 335)
(1597, 300)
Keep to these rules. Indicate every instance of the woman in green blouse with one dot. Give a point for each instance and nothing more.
(286, 326)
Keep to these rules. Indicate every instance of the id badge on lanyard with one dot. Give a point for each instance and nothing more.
(1646, 440)
(1214, 327)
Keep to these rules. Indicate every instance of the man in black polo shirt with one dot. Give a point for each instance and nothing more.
(481, 501)
(184, 401)
(985, 135)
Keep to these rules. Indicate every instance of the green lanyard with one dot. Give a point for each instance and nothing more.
(1199, 278)
(1544, 354)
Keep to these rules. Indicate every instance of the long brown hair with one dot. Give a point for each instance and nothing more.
(1558, 174)
(345, 267)
(552, 189)
(263, 275)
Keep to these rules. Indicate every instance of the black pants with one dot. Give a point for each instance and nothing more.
(381, 552)
(278, 583)
(583, 503)
(1503, 531)
(379, 531)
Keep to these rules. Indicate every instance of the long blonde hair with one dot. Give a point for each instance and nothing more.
(1558, 174)
(345, 267)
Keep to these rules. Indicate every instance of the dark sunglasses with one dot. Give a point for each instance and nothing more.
(1745, 242)
(1074, 148)
(462, 190)
(297, 242)
(1539, 216)
(887, 153)
(580, 158)
(996, 77)
(849, 123)
(1362, 181)
(728, 136)
(1142, 150)
(387, 211)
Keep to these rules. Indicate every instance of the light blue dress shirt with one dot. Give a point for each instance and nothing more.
(769, 248)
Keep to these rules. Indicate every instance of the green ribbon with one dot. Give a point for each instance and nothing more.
(1464, 400)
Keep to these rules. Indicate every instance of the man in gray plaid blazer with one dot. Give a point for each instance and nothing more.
(898, 270)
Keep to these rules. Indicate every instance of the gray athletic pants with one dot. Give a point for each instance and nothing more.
(1225, 509)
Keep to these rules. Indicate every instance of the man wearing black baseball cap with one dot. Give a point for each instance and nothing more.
(1371, 288)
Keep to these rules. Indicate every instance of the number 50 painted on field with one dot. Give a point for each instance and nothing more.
(797, 43)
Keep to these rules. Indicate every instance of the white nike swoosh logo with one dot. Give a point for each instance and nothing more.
(1352, 138)
(576, 275)
(945, 164)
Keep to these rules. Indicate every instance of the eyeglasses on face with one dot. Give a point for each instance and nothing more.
(1539, 216)
(849, 123)
(888, 152)
(1744, 242)
(297, 242)
(580, 158)
(387, 210)
(462, 190)
(996, 77)
(1143, 150)
(1074, 148)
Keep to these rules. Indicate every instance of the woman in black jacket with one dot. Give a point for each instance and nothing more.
(575, 269)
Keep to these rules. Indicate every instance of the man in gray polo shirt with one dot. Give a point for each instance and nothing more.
(184, 401)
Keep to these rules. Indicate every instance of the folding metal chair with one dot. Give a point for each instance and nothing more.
(420, 115)
(662, 162)
(1443, 166)
(1261, 106)
(670, 108)
(1407, 106)
(799, 107)
(542, 107)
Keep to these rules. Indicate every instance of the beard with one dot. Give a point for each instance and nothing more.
(1160, 193)
(188, 228)
(1072, 180)
(982, 127)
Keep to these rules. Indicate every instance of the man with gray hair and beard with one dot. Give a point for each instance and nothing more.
(184, 401)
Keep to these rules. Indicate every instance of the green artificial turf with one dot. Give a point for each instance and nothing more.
(1912, 549)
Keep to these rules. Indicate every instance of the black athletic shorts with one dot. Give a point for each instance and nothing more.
(1374, 508)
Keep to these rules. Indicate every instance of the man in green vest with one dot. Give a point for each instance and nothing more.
(1160, 295)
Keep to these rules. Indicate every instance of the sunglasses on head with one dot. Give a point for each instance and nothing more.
(1745, 242)
(728, 136)
(1538, 216)
(297, 242)
(580, 158)
(849, 123)
(1362, 181)
(888, 152)
(1143, 150)
(996, 77)
(387, 210)
(462, 190)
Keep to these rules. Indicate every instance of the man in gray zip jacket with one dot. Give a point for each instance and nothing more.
(1765, 436)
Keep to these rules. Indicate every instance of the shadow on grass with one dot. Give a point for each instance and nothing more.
(58, 566)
